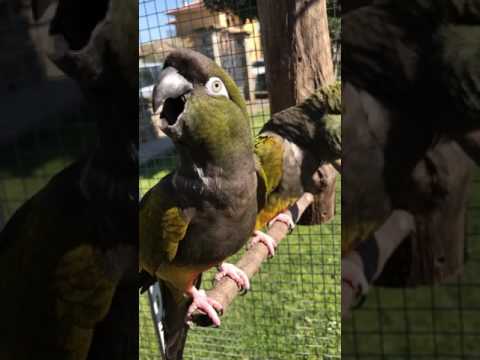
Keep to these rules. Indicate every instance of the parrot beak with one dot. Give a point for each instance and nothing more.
(170, 96)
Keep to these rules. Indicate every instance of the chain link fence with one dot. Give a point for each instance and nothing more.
(293, 309)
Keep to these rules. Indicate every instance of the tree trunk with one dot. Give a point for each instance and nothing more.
(297, 49)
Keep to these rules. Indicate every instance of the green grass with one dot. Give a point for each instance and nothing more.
(293, 309)
(434, 322)
(258, 120)
(147, 342)
(34, 158)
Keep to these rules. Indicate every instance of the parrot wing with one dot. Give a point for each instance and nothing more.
(269, 151)
(83, 298)
(163, 224)
(51, 249)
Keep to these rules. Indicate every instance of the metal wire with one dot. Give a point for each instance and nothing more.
(437, 322)
(41, 132)
(293, 310)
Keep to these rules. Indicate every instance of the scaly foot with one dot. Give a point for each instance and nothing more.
(265, 239)
(234, 273)
(283, 218)
(205, 304)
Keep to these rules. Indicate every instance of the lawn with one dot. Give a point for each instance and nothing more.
(293, 309)
(439, 322)
(29, 162)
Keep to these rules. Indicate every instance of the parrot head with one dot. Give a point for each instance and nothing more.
(199, 104)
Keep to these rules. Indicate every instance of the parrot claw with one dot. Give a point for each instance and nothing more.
(266, 240)
(212, 308)
(234, 273)
(283, 218)
(243, 292)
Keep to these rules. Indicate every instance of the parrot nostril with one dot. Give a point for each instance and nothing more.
(172, 109)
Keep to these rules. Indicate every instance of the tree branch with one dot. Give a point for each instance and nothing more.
(355, 280)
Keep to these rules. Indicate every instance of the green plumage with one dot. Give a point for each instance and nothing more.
(59, 275)
(204, 211)
(420, 56)
(293, 144)
(160, 219)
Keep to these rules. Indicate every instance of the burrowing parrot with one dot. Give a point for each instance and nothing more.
(290, 148)
(69, 255)
(205, 210)
(65, 259)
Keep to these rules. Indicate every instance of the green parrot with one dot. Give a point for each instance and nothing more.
(69, 255)
(204, 211)
(66, 257)
(289, 149)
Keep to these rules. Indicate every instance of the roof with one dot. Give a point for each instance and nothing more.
(157, 47)
(197, 5)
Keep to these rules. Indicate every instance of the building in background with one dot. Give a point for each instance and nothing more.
(28, 73)
(234, 45)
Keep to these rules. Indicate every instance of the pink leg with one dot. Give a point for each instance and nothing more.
(205, 304)
(265, 239)
(234, 273)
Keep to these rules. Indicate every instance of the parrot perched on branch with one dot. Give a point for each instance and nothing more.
(204, 211)
(69, 255)
(176, 226)
(290, 149)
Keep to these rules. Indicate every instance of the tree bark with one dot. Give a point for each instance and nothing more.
(296, 43)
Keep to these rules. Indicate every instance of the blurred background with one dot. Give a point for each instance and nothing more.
(44, 122)
(440, 321)
(293, 310)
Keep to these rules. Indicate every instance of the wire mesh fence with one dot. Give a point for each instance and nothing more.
(293, 310)
(44, 124)
(429, 322)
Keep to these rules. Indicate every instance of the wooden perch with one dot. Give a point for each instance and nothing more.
(337, 164)
(386, 239)
(226, 290)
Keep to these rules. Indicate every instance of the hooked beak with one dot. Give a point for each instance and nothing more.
(170, 96)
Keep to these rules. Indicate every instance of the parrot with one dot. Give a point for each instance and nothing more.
(69, 254)
(289, 149)
(66, 258)
(410, 91)
(205, 210)
(284, 171)
(435, 53)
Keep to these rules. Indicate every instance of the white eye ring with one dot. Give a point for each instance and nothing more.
(216, 87)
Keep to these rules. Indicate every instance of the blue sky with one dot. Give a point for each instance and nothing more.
(153, 20)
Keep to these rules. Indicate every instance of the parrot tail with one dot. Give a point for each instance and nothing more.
(174, 325)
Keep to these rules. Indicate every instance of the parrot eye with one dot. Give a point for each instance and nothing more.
(216, 87)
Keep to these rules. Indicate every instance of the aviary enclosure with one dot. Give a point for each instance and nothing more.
(293, 309)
